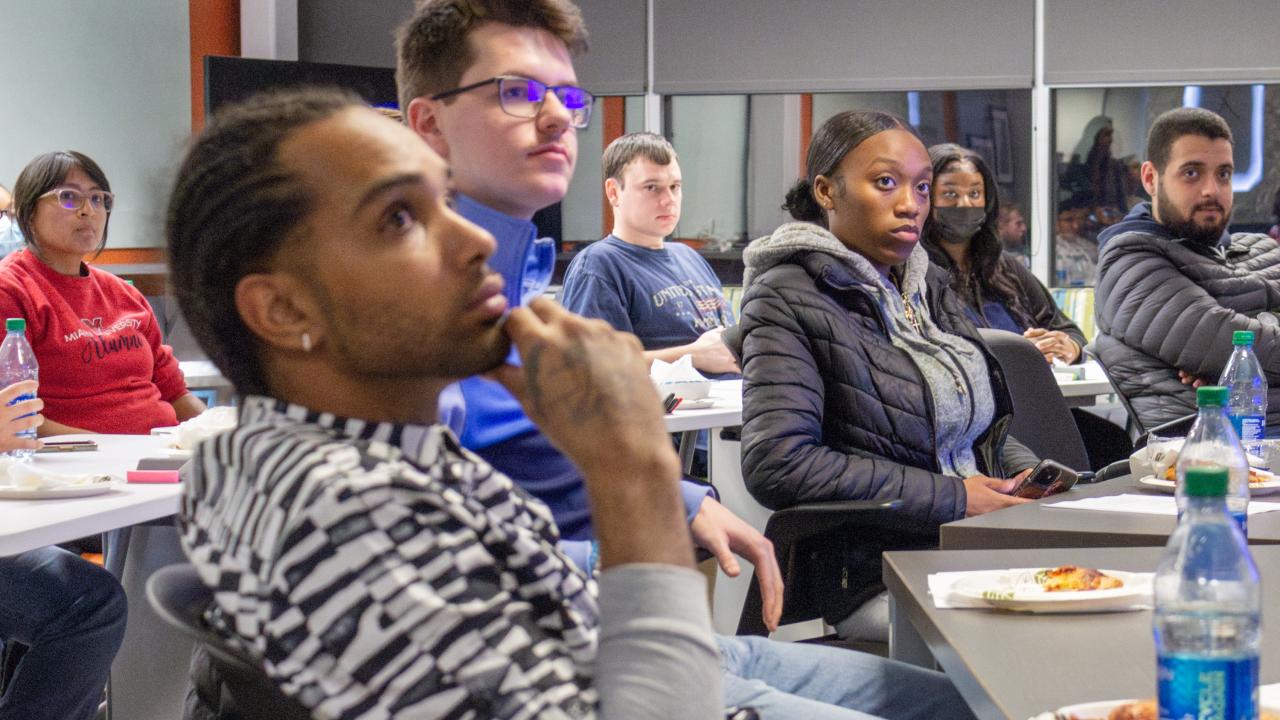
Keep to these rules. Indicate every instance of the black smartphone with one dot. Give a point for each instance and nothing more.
(1047, 478)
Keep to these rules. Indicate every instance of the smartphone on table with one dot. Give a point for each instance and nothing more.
(1047, 478)
(52, 446)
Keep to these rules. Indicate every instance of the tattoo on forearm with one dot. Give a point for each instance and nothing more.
(564, 379)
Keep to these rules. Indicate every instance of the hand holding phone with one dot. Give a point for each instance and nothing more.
(1048, 478)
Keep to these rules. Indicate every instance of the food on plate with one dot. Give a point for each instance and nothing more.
(1072, 578)
(1141, 710)
(1256, 476)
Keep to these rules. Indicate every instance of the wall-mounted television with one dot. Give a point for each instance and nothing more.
(228, 79)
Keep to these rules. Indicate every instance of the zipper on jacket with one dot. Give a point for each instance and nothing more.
(910, 312)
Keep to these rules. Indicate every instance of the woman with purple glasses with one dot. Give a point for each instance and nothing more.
(103, 366)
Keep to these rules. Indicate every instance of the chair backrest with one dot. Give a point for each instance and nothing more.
(180, 599)
(829, 555)
(1136, 428)
(1041, 419)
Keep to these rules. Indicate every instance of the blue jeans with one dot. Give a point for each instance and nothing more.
(71, 614)
(813, 682)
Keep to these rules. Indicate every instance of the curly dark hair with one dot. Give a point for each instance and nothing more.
(986, 277)
(232, 208)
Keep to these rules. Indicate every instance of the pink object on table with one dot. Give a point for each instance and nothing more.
(152, 476)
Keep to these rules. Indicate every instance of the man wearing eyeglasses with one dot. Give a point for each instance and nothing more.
(490, 86)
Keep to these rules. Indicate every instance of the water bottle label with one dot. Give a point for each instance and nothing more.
(1207, 688)
(30, 433)
(1242, 519)
(1248, 427)
(22, 398)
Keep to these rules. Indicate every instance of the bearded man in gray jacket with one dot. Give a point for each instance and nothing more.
(1173, 284)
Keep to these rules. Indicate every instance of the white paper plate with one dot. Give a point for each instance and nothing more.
(701, 404)
(1100, 710)
(1018, 590)
(107, 484)
(1263, 488)
(173, 452)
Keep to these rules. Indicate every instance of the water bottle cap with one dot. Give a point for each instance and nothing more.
(15, 325)
(1242, 337)
(1206, 481)
(1211, 396)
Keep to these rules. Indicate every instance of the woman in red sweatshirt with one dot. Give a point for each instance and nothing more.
(103, 367)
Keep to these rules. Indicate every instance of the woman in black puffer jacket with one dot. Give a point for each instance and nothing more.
(863, 377)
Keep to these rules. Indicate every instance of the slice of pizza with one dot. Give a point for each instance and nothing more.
(1072, 578)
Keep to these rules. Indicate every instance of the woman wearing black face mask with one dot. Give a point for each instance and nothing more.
(997, 289)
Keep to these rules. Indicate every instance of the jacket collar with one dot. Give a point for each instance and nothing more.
(420, 444)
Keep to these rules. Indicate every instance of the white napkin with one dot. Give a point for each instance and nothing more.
(940, 585)
(205, 425)
(1144, 504)
(681, 370)
(1269, 695)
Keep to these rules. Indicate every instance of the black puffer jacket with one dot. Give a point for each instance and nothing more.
(832, 410)
(1165, 305)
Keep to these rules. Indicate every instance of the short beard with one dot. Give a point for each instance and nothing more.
(1184, 226)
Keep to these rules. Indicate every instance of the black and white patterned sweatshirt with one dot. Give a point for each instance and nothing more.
(382, 571)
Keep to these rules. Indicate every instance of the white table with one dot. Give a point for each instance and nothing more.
(1085, 389)
(29, 524)
(149, 674)
(726, 412)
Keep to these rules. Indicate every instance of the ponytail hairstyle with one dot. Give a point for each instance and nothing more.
(986, 275)
(837, 137)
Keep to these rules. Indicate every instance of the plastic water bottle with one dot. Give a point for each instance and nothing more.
(18, 363)
(1208, 611)
(1212, 441)
(1247, 404)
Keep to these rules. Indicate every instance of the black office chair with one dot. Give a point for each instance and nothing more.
(1041, 419)
(829, 554)
(180, 599)
(1140, 433)
(1136, 428)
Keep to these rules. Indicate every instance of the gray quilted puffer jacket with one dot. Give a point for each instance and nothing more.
(832, 410)
(1165, 305)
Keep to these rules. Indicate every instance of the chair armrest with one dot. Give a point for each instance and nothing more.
(1180, 426)
(794, 524)
(1116, 469)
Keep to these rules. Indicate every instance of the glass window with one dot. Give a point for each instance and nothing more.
(740, 153)
(1099, 145)
(583, 214)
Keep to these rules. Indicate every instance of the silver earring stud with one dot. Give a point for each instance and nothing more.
(306, 342)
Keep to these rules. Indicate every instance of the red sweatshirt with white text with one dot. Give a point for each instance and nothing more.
(103, 366)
